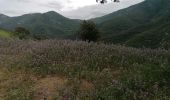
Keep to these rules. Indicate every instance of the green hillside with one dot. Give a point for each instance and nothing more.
(51, 23)
(5, 34)
(143, 25)
(155, 34)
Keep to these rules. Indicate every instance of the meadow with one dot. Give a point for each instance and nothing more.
(4, 34)
(77, 70)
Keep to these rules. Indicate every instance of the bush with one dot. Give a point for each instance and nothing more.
(21, 33)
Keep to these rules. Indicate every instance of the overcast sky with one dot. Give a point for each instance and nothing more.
(76, 9)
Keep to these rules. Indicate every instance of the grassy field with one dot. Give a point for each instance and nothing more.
(4, 34)
(77, 70)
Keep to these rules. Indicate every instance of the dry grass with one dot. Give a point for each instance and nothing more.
(48, 87)
(64, 69)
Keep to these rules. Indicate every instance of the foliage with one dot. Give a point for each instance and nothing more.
(110, 71)
(21, 33)
(88, 31)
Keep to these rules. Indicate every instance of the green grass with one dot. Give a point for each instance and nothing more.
(5, 34)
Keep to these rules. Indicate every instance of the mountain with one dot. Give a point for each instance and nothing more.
(51, 23)
(3, 18)
(146, 24)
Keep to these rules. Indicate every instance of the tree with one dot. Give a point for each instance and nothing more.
(21, 33)
(105, 1)
(88, 31)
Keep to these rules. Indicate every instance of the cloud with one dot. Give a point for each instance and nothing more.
(19, 7)
(77, 9)
(88, 12)
(54, 5)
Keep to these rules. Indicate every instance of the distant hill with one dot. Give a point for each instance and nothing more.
(3, 18)
(50, 23)
(143, 25)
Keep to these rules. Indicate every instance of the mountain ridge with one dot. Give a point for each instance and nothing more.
(50, 23)
(146, 21)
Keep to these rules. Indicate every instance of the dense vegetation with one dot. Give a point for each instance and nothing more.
(64, 69)
(21, 33)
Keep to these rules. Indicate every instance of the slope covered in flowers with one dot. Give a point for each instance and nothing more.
(64, 69)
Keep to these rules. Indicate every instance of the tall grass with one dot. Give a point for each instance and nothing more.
(116, 72)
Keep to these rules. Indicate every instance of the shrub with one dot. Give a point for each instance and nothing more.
(21, 33)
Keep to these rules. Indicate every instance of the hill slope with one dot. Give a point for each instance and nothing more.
(5, 34)
(51, 23)
(49, 70)
(144, 24)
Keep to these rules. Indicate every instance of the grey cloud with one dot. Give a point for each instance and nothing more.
(98, 10)
(54, 5)
(19, 7)
(23, 1)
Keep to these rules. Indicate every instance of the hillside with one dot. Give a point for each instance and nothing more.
(49, 70)
(144, 24)
(51, 23)
(5, 34)
(3, 18)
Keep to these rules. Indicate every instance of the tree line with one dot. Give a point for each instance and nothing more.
(23, 33)
(87, 31)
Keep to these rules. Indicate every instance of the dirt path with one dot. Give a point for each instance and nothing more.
(47, 88)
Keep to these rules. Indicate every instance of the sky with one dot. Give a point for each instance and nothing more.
(75, 9)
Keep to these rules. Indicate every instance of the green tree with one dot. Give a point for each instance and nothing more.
(88, 31)
(21, 33)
